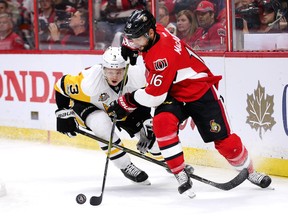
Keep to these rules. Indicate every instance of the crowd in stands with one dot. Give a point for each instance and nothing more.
(64, 24)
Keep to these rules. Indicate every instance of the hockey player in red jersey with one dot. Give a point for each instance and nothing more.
(179, 85)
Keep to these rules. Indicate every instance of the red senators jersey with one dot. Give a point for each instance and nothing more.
(213, 38)
(12, 42)
(174, 69)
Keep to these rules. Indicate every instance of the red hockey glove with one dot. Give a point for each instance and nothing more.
(127, 50)
(122, 107)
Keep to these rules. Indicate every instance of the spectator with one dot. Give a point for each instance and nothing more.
(3, 7)
(27, 21)
(247, 10)
(245, 3)
(164, 19)
(62, 5)
(241, 28)
(174, 7)
(76, 38)
(14, 9)
(186, 25)
(9, 40)
(180, 5)
(237, 3)
(47, 12)
(110, 23)
(46, 16)
(210, 35)
(284, 4)
(220, 6)
(271, 18)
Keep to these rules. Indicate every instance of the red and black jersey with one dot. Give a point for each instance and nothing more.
(213, 38)
(174, 69)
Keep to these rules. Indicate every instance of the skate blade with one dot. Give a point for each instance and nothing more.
(146, 182)
(269, 188)
(190, 194)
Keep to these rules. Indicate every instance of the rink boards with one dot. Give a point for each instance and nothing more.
(197, 156)
(254, 91)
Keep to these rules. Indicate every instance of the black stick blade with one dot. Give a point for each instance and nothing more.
(239, 179)
(95, 201)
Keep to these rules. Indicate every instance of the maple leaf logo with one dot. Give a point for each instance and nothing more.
(260, 109)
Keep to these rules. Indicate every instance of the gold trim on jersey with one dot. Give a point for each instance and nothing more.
(72, 87)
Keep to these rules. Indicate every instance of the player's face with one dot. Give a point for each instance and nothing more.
(140, 43)
(114, 76)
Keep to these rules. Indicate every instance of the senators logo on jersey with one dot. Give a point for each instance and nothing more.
(160, 64)
(215, 127)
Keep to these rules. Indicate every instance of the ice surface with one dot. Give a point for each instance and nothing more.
(43, 179)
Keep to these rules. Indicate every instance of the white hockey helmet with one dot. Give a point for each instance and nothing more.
(112, 58)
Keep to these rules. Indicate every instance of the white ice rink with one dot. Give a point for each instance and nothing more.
(44, 180)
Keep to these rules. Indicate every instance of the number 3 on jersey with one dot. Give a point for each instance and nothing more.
(73, 89)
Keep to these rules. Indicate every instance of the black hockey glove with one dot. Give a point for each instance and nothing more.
(122, 107)
(147, 137)
(128, 51)
(66, 122)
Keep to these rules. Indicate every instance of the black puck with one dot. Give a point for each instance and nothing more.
(81, 199)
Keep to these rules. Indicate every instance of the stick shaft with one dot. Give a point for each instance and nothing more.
(97, 200)
(241, 177)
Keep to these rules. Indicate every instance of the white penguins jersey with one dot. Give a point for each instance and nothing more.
(91, 86)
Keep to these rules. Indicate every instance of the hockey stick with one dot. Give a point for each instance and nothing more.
(241, 177)
(97, 200)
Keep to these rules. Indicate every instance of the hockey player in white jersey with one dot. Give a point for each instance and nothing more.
(86, 96)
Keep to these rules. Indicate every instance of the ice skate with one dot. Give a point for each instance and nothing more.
(185, 184)
(188, 168)
(135, 174)
(259, 179)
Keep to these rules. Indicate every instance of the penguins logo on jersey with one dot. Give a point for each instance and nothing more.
(103, 97)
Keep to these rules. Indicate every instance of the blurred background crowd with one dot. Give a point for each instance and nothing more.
(66, 24)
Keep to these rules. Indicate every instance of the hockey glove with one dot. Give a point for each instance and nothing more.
(66, 122)
(128, 51)
(122, 107)
(147, 137)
